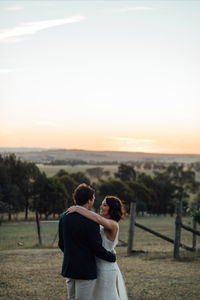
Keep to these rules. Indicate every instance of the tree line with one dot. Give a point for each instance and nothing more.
(147, 164)
(23, 187)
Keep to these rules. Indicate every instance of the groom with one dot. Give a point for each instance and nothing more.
(80, 240)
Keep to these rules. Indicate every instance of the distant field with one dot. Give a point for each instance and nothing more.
(35, 273)
(52, 170)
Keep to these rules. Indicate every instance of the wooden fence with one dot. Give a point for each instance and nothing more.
(178, 226)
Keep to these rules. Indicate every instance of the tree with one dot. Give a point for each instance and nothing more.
(39, 203)
(115, 187)
(164, 194)
(80, 177)
(57, 196)
(24, 175)
(21, 175)
(50, 196)
(125, 173)
(70, 184)
(141, 195)
(183, 181)
(97, 172)
(10, 193)
(61, 173)
(138, 191)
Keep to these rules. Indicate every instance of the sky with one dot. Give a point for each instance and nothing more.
(100, 75)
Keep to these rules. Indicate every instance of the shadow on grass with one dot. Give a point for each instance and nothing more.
(187, 259)
(150, 256)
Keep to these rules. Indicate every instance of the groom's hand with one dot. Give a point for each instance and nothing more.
(71, 209)
(113, 251)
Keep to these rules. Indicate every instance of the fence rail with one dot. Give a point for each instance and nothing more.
(162, 236)
(190, 229)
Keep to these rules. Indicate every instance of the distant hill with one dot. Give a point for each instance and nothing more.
(41, 155)
(21, 149)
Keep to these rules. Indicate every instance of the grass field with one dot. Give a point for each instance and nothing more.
(23, 235)
(52, 170)
(29, 272)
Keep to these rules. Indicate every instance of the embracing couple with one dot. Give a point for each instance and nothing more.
(89, 262)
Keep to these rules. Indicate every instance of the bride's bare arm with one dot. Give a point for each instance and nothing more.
(106, 223)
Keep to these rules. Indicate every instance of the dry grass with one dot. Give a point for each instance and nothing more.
(35, 274)
(156, 276)
(31, 274)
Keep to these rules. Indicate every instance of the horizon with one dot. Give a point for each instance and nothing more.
(89, 150)
(104, 75)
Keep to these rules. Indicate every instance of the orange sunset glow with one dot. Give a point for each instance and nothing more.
(110, 76)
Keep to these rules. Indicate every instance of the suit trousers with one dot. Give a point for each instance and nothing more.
(80, 289)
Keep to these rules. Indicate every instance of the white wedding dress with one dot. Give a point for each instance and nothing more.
(109, 284)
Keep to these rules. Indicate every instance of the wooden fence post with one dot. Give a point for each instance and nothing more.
(38, 228)
(131, 227)
(177, 239)
(194, 237)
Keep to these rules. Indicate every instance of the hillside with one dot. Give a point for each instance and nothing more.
(47, 155)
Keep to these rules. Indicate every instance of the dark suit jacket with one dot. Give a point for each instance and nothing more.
(80, 240)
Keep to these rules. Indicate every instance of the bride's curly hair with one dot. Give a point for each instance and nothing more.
(116, 208)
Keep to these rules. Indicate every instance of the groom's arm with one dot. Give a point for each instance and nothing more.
(95, 242)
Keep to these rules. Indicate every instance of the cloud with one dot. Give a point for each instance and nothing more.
(136, 144)
(14, 7)
(47, 124)
(135, 8)
(12, 40)
(7, 70)
(132, 140)
(34, 27)
(44, 4)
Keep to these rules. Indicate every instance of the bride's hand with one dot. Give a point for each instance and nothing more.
(71, 209)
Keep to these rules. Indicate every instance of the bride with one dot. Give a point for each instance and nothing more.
(109, 284)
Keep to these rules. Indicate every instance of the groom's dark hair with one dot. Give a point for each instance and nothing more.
(82, 194)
